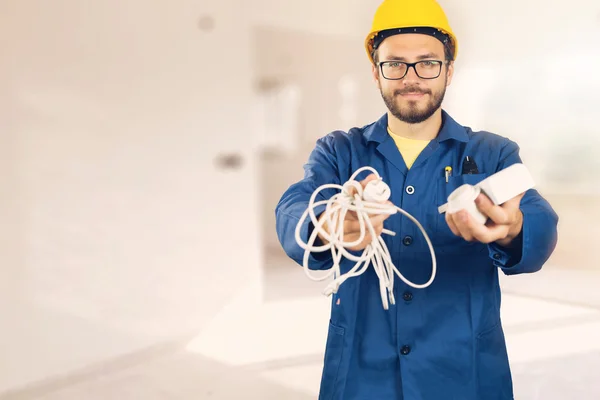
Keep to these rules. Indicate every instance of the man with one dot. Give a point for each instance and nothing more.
(445, 341)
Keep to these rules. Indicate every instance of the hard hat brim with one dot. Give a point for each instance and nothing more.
(375, 38)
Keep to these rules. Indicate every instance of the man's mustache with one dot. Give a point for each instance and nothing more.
(411, 90)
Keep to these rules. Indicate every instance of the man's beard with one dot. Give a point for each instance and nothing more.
(410, 113)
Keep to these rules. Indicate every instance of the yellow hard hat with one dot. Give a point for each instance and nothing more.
(421, 16)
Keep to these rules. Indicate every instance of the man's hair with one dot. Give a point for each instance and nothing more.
(448, 53)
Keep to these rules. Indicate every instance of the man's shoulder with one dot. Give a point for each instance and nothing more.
(346, 138)
(486, 138)
(490, 149)
(473, 136)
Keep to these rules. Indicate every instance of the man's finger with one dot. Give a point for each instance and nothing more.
(461, 221)
(378, 229)
(514, 203)
(451, 224)
(351, 215)
(485, 233)
(368, 179)
(361, 245)
(352, 191)
(496, 213)
(378, 219)
(491, 233)
(353, 226)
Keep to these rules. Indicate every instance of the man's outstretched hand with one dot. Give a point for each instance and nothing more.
(504, 224)
(352, 223)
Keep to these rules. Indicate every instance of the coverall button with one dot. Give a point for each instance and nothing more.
(407, 240)
(497, 256)
(407, 296)
(410, 189)
(405, 350)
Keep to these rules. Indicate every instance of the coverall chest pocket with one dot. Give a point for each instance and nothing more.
(444, 236)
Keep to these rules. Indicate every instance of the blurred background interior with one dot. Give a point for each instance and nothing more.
(143, 149)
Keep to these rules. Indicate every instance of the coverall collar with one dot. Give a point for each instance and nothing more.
(377, 132)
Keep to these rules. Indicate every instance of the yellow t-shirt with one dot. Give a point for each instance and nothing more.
(409, 148)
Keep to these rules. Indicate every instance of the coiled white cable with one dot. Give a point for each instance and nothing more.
(364, 203)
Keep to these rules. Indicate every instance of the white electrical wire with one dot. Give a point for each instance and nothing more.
(375, 253)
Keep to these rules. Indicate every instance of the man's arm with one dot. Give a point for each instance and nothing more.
(534, 243)
(521, 233)
(320, 169)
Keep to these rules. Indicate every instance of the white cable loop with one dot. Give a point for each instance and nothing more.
(376, 252)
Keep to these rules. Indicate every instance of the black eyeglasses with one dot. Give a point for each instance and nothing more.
(426, 69)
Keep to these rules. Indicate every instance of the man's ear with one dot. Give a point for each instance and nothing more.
(375, 72)
(449, 73)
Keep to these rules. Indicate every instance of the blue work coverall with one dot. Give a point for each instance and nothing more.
(444, 342)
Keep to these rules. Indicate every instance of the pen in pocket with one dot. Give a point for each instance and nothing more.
(448, 171)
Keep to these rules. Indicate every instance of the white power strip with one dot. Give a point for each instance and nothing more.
(499, 187)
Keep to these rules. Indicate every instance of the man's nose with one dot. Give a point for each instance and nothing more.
(411, 75)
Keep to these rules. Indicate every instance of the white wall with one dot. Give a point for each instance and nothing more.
(10, 212)
(118, 112)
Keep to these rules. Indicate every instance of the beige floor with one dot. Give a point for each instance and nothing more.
(253, 349)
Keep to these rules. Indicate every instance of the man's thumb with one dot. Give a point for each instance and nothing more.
(368, 179)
